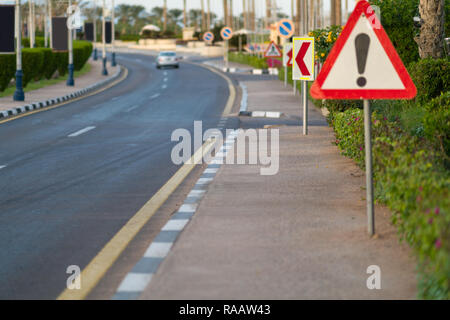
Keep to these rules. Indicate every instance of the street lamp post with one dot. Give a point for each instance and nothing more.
(95, 30)
(113, 38)
(46, 24)
(104, 71)
(18, 94)
(50, 27)
(70, 81)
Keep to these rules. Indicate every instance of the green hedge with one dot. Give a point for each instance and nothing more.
(254, 61)
(7, 69)
(38, 63)
(82, 50)
(431, 77)
(32, 64)
(411, 179)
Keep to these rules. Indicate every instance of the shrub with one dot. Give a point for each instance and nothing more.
(411, 180)
(7, 69)
(431, 77)
(397, 20)
(324, 41)
(32, 62)
(129, 37)
(49, 65)
(254, 61)
(436, 123)
(62, 62)
(39, 42)
(81, 52)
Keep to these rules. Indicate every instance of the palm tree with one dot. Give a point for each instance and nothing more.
(209, 15)
(184, 14)
(225, 12)
(431, 37)
(165, 16)
(203, 15)
(338, 15)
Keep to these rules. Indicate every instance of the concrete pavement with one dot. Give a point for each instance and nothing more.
(299, 234)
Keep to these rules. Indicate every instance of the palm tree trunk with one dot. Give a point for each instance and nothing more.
(203, 15)
(431, 38)
(209, 15)
(165, 15)
(332, 12)
(184, 13)
(230, 15)
(225, 12)
(298, 20)
(338, 16)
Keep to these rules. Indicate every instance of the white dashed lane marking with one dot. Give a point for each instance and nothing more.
(2, 166)
(79, 132)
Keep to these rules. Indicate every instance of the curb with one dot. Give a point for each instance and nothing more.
(49, 102)
(261, 114)
(270, 71)
(137, 279)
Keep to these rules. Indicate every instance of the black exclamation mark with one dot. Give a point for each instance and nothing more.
(362, 42)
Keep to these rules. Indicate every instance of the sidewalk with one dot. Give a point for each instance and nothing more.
(299, 234)
(61, 89)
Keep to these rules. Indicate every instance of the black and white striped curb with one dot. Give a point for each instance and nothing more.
(257, 114)
(261, 114)
(140, 276)
(42, 104)
(269, 71)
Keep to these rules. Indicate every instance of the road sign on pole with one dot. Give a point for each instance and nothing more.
(285, 28)
(272, 51)
(363, 64)
(208, 37)
(303, 69)
(226, 33)
(287, 60)
(287, 55)
(303, 64)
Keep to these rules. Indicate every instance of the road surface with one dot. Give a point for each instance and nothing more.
(71, 177)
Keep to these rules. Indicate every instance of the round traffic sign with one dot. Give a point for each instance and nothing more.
(208, 36)
(226, 33)
(285, 28)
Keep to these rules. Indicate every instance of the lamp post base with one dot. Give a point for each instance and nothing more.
(104, 71)
(18, 94)
(70, 81)
(113, 60)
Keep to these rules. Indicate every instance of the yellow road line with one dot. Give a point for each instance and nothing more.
(98, 266)
(123, 77)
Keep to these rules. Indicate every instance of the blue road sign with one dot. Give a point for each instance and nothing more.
(226, 33)
(285, 28)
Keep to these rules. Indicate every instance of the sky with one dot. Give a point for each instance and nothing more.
(217, 5)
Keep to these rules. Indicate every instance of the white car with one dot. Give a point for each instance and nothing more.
(167, 59)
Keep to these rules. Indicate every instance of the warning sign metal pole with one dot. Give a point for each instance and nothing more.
(305, 106)
(369, 180)
(285, 75)
(294, 83)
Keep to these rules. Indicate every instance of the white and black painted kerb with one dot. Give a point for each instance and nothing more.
(140, 276)
(42, 104)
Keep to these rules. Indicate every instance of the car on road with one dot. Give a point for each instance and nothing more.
(167, 59)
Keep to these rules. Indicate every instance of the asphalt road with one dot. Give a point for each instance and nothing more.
(64, 192)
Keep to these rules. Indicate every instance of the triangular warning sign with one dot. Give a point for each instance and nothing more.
(363, 63)
(272, 51)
